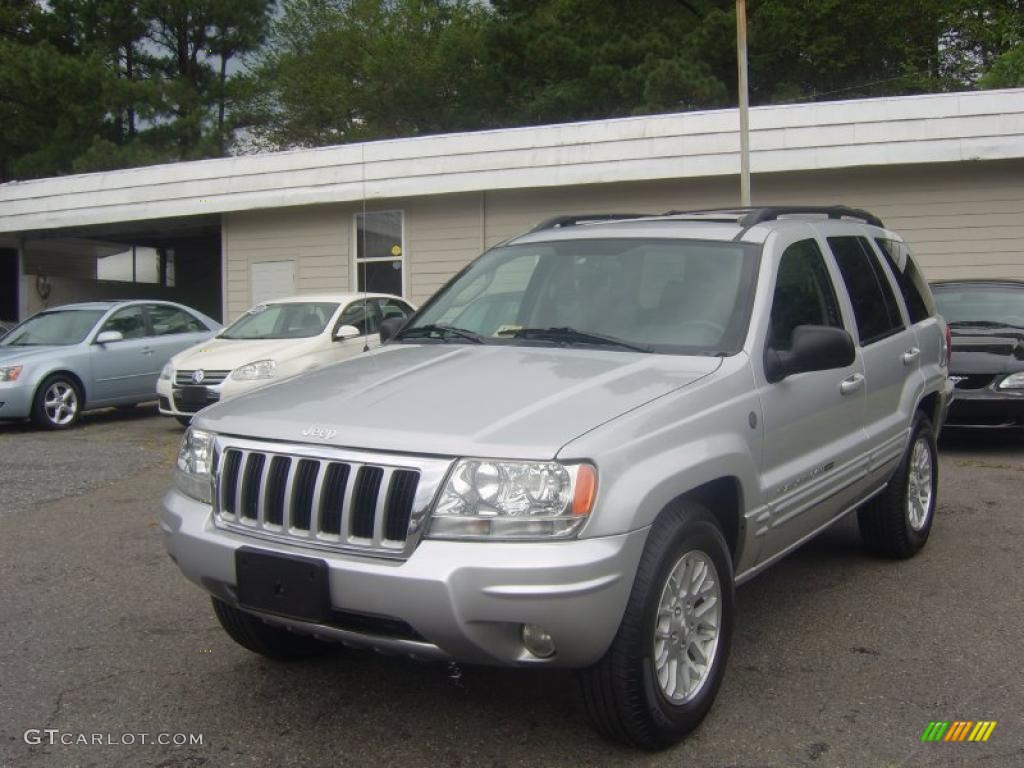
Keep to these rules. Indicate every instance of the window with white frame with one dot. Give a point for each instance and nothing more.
(380, 252)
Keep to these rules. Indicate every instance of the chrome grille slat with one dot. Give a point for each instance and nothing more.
(240, 484)
(347, 504)
(314, 507)
(381, 510)
(323, 497)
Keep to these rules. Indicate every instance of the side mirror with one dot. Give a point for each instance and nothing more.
(346, 332)
(391, 326)
(106, 337)
(814, 348)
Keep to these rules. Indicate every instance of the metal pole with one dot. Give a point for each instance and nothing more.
(22, 292)
(741, 65)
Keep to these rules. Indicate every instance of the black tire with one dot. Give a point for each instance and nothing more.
(185, 421)
(622, 695)
(255, 635)
(46, 413)
(889, 525)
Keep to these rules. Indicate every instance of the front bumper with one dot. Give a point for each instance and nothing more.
(16, 400)
(463, 601)
(169, 403)
(987, 407)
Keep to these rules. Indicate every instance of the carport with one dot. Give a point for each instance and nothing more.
(176, 259)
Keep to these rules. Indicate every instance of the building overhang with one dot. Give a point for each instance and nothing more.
(938, 128)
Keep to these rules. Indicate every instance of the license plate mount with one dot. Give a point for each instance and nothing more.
(285, 585)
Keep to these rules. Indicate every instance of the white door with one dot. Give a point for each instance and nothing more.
(270, 280)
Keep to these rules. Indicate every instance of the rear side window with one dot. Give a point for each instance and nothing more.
(912, 284)
(803, 294)
(874, 304)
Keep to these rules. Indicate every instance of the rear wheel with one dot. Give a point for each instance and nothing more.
(255, 635)
(898, 521)
(660, 676)
(58, 402)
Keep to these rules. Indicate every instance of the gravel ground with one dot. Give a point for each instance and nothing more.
(839, 660)
(38, 466)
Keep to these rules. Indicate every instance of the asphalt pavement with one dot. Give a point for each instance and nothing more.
(839, 659)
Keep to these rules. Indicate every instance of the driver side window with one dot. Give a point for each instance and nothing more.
(129, 321)
(803, 294)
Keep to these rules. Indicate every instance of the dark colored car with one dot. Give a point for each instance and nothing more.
(986, 318)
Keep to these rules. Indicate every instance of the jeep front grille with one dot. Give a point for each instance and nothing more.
(347, 503)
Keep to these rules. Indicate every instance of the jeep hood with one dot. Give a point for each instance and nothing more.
(457, 400)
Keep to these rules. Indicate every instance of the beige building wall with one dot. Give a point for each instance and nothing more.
(961, 220)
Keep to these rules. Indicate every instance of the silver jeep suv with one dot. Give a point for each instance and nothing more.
(576, 449)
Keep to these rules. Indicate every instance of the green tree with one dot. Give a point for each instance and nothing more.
(349, 70)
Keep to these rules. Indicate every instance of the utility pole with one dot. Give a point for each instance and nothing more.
(741, 65)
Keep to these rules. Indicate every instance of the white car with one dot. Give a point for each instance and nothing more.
(271, 342)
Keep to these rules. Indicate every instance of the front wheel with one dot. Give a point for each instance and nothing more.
(661, 674)
(58, 403)
(898, 521)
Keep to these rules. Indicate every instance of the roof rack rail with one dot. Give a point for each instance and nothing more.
(582, 218)
(748, 217)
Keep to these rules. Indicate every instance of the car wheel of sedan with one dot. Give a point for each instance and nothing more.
(58, 403)
(897, 522)
(257, 636)
(660, 676)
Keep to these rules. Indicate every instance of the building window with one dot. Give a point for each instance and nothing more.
(380, 252)
(138, 264)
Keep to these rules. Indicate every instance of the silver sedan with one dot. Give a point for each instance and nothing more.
(94, 355)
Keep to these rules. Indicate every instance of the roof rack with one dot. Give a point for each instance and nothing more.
(748, 217)
(571, 221)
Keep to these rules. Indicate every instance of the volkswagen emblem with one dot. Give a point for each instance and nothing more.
(198, 376)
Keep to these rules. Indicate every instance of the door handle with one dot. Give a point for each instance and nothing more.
(147, 350)
(851, 384)
(911, 355)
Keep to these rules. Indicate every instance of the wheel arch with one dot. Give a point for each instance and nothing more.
(69, 374)
(723, 498)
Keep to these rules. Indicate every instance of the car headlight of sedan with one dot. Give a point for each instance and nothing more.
(485, 499)
(10, 372)
(1013, 381)
(193, 473)
(167, 372)
(261, 369)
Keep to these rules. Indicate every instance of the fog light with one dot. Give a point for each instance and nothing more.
(538, 641)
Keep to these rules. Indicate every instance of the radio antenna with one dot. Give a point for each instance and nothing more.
(366, 299)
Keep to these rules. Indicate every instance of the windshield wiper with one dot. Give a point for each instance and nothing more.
(444, 331)
(572, 336)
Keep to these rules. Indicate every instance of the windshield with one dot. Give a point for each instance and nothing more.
(681, 296)
(291, 320)
(981, 304)
(57, 328)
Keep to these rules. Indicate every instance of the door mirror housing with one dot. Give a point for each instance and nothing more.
(346, 332)
(389, 327)
(813, 348)
(107, 337)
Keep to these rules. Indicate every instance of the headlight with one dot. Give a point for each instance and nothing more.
(167, 372)
(193, 475)
(514, 499)
(10, 373)
(261, 369)
(1013, 381)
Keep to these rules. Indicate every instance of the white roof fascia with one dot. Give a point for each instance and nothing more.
(934, 128)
